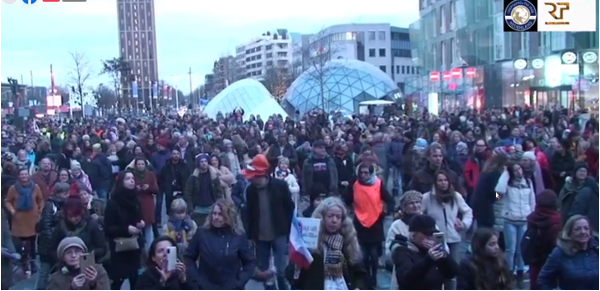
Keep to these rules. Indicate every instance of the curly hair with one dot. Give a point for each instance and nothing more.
(230, 216)
(351, 249)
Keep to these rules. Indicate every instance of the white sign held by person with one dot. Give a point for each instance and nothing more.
(310, 231)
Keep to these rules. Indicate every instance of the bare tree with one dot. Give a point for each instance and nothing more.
(80, 72)
(106, 97)
(119, 71)
(277, 80)
(317, 66)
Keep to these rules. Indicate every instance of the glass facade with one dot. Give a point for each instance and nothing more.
(339, 85)
(248, 94)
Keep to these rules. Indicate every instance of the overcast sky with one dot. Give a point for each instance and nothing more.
(189, 33)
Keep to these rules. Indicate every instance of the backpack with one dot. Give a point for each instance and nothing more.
(531, 245)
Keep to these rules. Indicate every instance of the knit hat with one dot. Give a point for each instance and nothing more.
(422, 223)
(409, 196)
(163, 142)
(529, 156)
(70, 242)
(462, 148)
(74, 205)
(75, 165)
(201, 157)
(259, 166)
(579, 166)
(547, 199)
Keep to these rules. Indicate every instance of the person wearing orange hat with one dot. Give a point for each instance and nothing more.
(268, 216)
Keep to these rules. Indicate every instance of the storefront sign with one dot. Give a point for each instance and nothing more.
(590, 57)
(537, 63)
(520, 64)
(568, 58)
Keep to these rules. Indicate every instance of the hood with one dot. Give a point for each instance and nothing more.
(571, 186)
(401, 241)
(544, 218)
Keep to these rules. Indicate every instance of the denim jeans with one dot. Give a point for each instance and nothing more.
(158, 208)
(513, 234)
(43, 276)
(456, 252)
(101, 193)
(396, 174)
(148, 237)
(279, 249)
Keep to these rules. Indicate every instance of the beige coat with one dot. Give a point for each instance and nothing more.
(23, 222)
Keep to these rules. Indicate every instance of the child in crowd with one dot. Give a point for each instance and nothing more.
(318, 194)
(180, 227)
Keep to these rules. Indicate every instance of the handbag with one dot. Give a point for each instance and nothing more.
(125, 244)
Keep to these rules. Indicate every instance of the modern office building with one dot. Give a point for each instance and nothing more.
(380, 44)
(137, 44)
(467, 57)
(273, 49)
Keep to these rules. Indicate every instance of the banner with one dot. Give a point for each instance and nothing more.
(134, 89)
(154, 90)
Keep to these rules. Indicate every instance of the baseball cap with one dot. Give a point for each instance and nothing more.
(259, 166)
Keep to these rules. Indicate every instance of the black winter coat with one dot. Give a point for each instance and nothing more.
(88, 230)
(150, 280)
(417, 271)
(123, 209)
(467, 274)
(282, 209)
(219, 259)
(313, 278)
(51, 215)
(178, 173)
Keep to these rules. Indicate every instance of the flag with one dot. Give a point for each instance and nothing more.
(299, 253)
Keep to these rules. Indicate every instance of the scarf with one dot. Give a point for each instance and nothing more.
(333, 260)
(444, 196)
(141, 175)
(25, 200)
(179, 229)
(371, 181)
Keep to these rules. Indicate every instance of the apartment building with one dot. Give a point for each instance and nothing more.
(273, 49)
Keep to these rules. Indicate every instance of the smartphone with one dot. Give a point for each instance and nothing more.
(171, 258)
(439, 238)
(86, 260)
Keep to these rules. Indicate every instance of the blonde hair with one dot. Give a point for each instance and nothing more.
(351, 249)
(564, 240)
(283, 160)
(178, 206)
(230, 216)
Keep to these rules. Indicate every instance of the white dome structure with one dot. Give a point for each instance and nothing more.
(248, 94)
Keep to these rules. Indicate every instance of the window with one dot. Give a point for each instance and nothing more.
(382, 52)
(371, 35)
(412, 70)
(397, 69)
(381, 35)
(372, 53)
(383, 69)
(403, 71)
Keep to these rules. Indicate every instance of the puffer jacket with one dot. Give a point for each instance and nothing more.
(570, 270)
(519, 198)
(88, 230)
(51, 215)
(446, 213)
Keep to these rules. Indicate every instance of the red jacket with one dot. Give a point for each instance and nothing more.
(542, 159)
(471, 172)
(591, 158)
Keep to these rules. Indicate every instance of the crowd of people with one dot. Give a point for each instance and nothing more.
(479, 201)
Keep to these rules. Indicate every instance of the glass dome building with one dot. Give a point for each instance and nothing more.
(345, 84)
(248, 94)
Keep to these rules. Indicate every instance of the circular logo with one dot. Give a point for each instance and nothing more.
(520, 15)
(29, 1)
(569, 58)
(590, 57)
(520, 64)
(537, 63)
(9, 1)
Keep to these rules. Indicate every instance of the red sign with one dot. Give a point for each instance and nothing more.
(456, 73)
(447, 76)
(471, 72)
(434, 76)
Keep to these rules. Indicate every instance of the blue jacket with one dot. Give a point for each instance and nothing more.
(394, 153)
(159, 159)
(571, 272)
(511, 141)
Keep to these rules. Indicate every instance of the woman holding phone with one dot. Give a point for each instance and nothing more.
(72, 272)
(164, 270)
